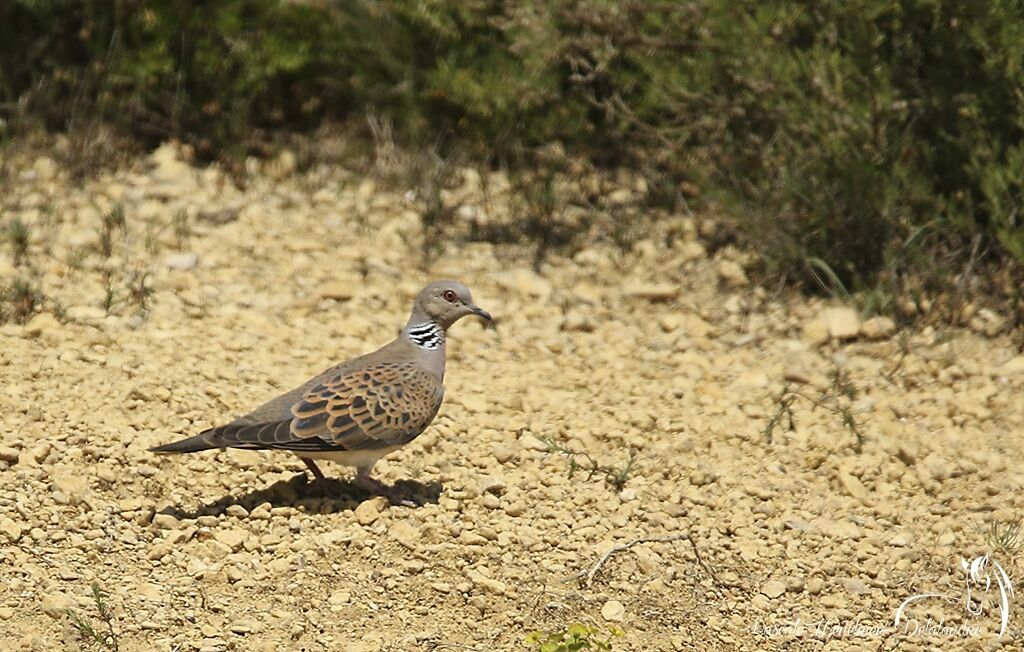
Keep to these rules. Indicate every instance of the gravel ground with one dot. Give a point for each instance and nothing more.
(906, 448)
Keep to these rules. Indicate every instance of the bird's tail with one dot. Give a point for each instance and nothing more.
(187, 445)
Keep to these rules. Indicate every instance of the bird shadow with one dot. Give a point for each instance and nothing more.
(326, 496)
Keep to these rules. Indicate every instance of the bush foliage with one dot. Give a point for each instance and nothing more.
(869, 136)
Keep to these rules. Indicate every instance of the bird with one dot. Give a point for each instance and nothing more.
(360, 410)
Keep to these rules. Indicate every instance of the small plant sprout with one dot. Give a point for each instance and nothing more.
(616, 476)
(904, 350)
(18, 234)
(783, 412)
(77, 257)
(836, 399)
(104, 639)
(113, 220)
(106, 244)
(150, 238)
(181, 227)
(139, 292)
(60, 311)
(545, 219)
(841, 387)
(429, 174)
(1005, 537)
(23, 298)
(572, 638)
(109, 293)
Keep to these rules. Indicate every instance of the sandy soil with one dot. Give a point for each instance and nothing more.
(663, 350)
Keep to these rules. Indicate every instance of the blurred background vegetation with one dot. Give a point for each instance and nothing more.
(870, 145)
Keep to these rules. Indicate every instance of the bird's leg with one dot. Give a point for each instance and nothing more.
(375, 486)
(314, 469)
(368, 482)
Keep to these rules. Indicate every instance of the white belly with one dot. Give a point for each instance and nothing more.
(351, 458)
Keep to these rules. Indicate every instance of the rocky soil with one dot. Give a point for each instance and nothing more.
(905, 452)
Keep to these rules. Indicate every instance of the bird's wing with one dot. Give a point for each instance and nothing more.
(376, 406)
(383, 404)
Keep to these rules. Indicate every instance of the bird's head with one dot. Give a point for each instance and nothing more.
(446, 302)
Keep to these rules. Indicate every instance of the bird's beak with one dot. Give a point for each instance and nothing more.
(481, 313)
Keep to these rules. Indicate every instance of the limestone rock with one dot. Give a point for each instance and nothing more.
(878, 328)
(41, 324)
(86, 313)
(854, 585)
(370, 510)
(530, 442)
(853, 486)
(731, 274)
(524, 282)
(10, 529)
(56, 604)
(1013, 366)
(165, 521)
(654, 292)
(182, 261)
(773, 588)
(233, 538)
(842, 323)
(815, 331)
(613, 611)
(9, 455)
(406, 534)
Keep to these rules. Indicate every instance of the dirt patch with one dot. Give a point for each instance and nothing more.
(209, 300)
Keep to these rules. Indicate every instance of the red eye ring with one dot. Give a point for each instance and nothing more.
(449, 296)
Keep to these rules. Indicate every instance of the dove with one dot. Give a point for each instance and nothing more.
(360, 410)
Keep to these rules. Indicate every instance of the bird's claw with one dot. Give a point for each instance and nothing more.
(378, 488)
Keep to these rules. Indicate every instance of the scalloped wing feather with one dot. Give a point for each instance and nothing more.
(379, 405)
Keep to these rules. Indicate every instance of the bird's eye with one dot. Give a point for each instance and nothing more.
(449, 296)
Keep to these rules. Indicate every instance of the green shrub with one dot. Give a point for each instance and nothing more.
(872, 138)
(571, 639)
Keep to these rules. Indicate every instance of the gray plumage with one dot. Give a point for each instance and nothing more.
(358, 410)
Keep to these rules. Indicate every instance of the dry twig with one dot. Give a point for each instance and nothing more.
(614, 550)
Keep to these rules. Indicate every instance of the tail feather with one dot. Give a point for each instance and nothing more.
(187, 445)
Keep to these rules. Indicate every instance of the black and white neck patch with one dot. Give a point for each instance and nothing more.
(428, 335)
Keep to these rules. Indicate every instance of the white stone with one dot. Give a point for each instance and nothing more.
(613, 611)
(773, 588)
(86, 313)
(369, 510)
(653, 292)
(11, 529)
(524, 282)
(1014, 365)
(183, 261)
(878, 328)
(843, 323)
(55, 605)
(731, 274)
(42, 323)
